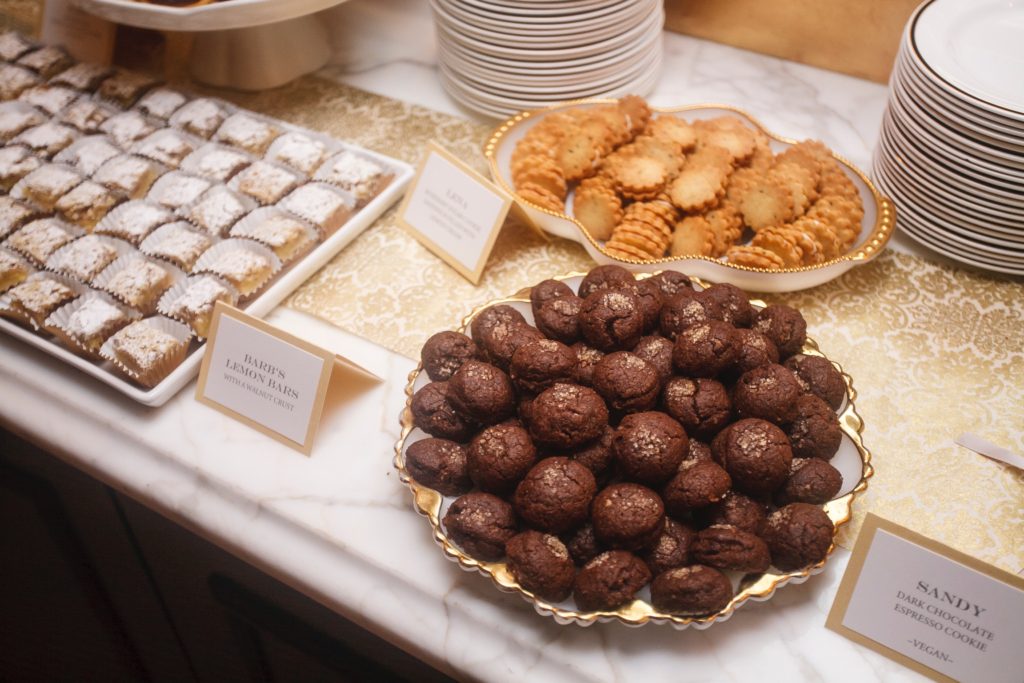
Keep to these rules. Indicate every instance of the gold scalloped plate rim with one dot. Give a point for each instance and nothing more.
(871, 246)
(428, 501)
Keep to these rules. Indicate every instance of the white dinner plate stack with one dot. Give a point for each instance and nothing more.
(951, 151)
(499, 57)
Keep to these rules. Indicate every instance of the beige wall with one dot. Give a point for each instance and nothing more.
(860, 37)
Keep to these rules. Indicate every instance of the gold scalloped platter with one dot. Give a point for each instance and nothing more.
(852, 460)
(876, 226)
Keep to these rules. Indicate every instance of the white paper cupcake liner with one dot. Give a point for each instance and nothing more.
(171, 296)
(29, 188)
(181, 333)
(208, 217)
(199, 162)
(302, 151)
(362, 190)
(208, 263)
(177, 189)
(54, 263)
(323, 205)
(9, 308)
(151, 246)
(58, 323)
(180, 118)
(247, 229)
(124, 221)
(73, 231)
(103, 281)
(150, 146)
(267, 195)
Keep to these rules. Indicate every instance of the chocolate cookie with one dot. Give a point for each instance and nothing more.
(798, 535)
(603, 278)
(818, 376)
(586, 359)
(445, 352)
(726, 547)
(698, 450)
(755, 453)
(814, 431)
(611, 319)
(768, 392)
(539, 364)
(500, 342)
(701, 405)
(649, 298)
(597, 455)
(555, 495)
(559, 318)
(627, 382)
(610, 581)
(706, 349)
(691, 591)
(671, 282)
(439, 464)
(680, 311)
(547, 290)
(672, 549)
(697, 484)
(583, 544)
(649, 447)
(566, 416)
(755, 350)
(482, 392)
(492, 316)
(481, 524)
(657, 351)
(737, 510)
(434, 413)
(728, 303)
(810, 481)
(784, 325)
(628, 516)
(541, 564)
(499, 456)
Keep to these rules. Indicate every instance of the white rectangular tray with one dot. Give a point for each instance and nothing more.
(282, 287)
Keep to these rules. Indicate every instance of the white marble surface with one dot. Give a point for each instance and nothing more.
(340, 526)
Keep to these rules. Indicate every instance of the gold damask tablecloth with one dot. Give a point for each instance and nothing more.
(933, 351)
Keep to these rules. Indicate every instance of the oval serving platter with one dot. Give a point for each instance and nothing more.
(853, 461)
(876, 227)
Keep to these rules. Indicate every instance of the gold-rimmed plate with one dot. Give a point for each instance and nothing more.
(876, 226)
(852, 460)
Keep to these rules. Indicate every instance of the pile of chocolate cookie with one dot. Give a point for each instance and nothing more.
(639, 431)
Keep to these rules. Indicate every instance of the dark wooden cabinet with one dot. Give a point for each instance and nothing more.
(96, 587)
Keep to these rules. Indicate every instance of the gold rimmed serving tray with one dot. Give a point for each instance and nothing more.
(876, 226)
(853, 460)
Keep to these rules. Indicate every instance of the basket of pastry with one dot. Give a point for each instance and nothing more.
(703, 189)
(632, 448)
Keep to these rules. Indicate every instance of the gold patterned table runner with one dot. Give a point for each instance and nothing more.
(933, 351)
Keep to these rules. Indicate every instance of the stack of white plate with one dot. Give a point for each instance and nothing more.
(499, 57)
(951, 152)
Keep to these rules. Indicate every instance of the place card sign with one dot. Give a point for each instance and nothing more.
(266, 378)
(454, 211)
(933, 609)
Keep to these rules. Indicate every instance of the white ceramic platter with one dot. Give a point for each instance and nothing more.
(876, 227)
(977, 47)
(281, 288)
(954, 217)
(979, 192)
(217, 16)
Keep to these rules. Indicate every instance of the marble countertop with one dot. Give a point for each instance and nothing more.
(339, 525)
